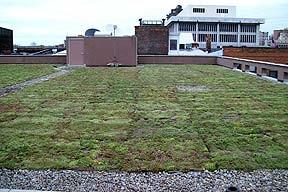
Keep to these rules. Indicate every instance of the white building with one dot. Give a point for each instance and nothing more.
(219, 22)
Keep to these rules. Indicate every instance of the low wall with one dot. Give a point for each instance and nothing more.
(275, 55)
(165, 59)
(43, 59)
(278, 71)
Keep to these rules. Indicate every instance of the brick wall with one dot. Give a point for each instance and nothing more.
(274, 55)
(152, 40)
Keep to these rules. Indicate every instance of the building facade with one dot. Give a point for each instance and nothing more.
(6, 41)
(218, 23)
(263, 39)
(280, 38)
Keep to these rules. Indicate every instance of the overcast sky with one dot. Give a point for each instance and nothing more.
(48, 22)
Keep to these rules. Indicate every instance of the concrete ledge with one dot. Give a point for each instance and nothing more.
(272, 70)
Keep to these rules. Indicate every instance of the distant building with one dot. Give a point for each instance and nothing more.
(263, 38)
(216, 22)
(280, 38)
(6, 41)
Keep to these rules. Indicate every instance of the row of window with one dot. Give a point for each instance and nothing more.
(227, 27)
(187, 26)
(222, 11)
(223, 27)
(248, 28)
(202, 10)
(202, 37)
(223, 38)
(228, 38)
(207, 27)
(198, 10)
(248, 39)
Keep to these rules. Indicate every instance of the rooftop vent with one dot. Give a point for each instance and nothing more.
(91, 32)
(175, 12)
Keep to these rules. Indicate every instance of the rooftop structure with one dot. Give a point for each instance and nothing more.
(215, 21)
(6, 41)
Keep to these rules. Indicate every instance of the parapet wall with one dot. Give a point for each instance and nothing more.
(43, 59)
(275, 55)
(165, 59)
(259, 68)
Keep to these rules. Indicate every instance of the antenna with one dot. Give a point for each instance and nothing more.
(114, 28)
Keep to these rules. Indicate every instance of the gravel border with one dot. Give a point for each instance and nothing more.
(13, 88)
(66, 180)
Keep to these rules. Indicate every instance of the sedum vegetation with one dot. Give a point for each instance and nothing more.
(138, 119)
(11, 74)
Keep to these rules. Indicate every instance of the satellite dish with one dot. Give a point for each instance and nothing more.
(112, 29)
(91, 32)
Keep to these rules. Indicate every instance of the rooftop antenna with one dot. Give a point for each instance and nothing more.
(114, 29)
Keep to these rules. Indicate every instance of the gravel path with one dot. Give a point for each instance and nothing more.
(49, 180)
(11, 89)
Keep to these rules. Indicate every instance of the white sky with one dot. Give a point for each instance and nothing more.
(48, 22)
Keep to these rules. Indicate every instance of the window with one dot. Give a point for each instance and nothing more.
(182, 46)
(222, 11)
(248, 28)
(213, 37)
(228, 38)
(228, 27)
(202, 38)
(198, 10)
(212, 27)
(187, 26)
(248, 39)
(173, 44)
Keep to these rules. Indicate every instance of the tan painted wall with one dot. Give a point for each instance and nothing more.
(100, 51)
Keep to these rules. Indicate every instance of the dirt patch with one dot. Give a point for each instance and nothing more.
(231, 117)
(192, 88)
(12, 107)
